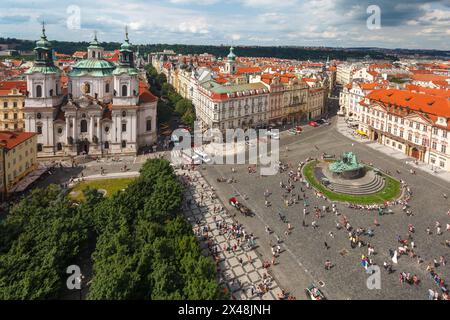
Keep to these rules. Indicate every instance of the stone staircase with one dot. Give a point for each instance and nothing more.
(377, 184)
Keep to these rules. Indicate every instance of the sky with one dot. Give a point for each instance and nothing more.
(409, 24)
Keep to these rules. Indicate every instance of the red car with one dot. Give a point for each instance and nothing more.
(313, 124)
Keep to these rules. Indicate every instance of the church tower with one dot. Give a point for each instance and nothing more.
(230, 66)
(126, 82)
(44, 95)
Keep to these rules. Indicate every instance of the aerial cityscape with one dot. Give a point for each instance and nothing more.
(186, 158)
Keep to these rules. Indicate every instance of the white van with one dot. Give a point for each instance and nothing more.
(205, 158)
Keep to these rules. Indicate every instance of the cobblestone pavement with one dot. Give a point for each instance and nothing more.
(302, 261)
(199, 210)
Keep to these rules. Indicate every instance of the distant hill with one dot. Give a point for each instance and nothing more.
(282, 52)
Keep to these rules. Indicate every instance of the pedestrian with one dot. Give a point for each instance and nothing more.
(326, 245)
(442, 261)
(328, 265)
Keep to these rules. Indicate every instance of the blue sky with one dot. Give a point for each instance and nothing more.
(337, 23)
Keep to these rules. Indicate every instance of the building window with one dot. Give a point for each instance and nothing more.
(38, 116)
(124, 114)
(38, 91)
(39, 129)
(124, 127)
(124, 91)
(434, 145)
(15, 116)
(83, 126)
(59, 146)
(106, 146)
(60, 130)
(5, 116)
(124, 144)
(5, 104)
(106, 129)
(149, 125)
(443, 148)
(39, 147)
(14, 104)
(107, 88)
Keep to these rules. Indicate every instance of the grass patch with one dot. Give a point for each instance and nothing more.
(391, 190)
(110, 185)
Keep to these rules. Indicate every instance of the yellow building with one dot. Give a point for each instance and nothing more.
(12, 101)
(18, 156)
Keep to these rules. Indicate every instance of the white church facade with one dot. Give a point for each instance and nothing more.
(105, 111)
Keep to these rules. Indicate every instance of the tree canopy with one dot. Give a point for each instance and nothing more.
(144, 248)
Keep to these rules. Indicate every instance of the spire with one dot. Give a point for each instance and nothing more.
(126, 34)
(43, 31)
(95, 36)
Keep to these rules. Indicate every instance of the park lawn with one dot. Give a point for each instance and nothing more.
(110, 185)
(391, 191)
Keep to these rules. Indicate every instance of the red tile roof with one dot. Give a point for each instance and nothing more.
(434, 92)
(433, 105)
(7, 86)
(145, 96)
(9, 139)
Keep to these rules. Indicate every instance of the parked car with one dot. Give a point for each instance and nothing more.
(293, 132)
(314, 293)
(313, 124)
(275, 136)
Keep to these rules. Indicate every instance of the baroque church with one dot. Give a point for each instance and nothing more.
(105, 110)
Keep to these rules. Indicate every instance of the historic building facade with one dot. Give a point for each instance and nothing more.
(107, 110)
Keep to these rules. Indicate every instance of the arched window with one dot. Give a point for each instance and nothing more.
(39, 147)
(93, 54)
(107, 88)
(83, 126)
(38, 115)
(59, 146)
(38, 91)
(106, 145)
(124, 91)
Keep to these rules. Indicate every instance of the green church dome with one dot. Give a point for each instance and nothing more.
(92, 67)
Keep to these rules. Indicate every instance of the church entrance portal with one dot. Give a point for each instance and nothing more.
(83, 147)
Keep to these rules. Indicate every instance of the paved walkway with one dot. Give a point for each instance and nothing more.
(391, 152)
(239, 278)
